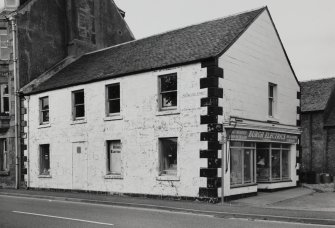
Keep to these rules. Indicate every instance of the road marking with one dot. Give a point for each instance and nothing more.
(64, 218)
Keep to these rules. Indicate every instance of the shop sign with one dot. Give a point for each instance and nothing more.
(266, 136)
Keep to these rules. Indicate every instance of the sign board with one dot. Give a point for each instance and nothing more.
(263, 136)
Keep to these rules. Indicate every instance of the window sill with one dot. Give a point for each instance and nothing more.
(168, 112)
(243, 185)
(114, 176)
(44, 176)
(44, 125)
(168, 178)
(78, 121)
(4, 173)
(112, 118)
(273, 120)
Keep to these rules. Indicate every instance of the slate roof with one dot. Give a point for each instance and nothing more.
(315, 94)
(186, 45)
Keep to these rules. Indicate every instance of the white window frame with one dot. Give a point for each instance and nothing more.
(42, 172)
(42, 122)
(163, 171)
(109, 167)
(3, 97)
(74, 105)
(272, 100)
(5, 155)
(161, 108)
(4, 43)
(108, 114)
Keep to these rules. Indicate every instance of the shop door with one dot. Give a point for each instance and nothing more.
(79, 165)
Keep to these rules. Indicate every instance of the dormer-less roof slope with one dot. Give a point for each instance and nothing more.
(315, 94)
(181, 46)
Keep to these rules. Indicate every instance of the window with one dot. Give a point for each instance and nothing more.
(113, 99)
(4, 50)
(272, 99)
(242, 163)
(3, 155)
(168, 91)
(45, 159)
(272, 162)
(114, 157)
(4, 99)
(44, 110)
(78, 104)
(168, 156)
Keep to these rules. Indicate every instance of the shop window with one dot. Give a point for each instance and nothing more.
(78, 100)
(272, 162)
(3, 155)
(114, 157)
(168, 91)
(44, 110)
(45, 159)
(113, 99)
(4, 101)
(272, 99)
(242, 163)
(168, 156)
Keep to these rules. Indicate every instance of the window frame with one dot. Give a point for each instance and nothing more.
(42, 122)
(4, 33)
(242, 149)
(3, 96)
(162, 169)
(109, 159)
(41, 164)
(5, 155)
(272, 100)
(74, 105)
(109, 114)
(160, 92)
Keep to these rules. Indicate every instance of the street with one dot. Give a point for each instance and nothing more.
(30, 212)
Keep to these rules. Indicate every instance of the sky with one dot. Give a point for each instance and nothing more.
(306, 27)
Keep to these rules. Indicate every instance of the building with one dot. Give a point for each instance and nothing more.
(170, 115)
(318, 126)
(48, 35)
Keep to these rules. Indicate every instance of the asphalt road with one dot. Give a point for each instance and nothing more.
(30, 212)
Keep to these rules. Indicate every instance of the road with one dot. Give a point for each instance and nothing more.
(30, 212)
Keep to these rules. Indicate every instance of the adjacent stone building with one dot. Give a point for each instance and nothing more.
(42, 36)
(205, 111)
(318, 125)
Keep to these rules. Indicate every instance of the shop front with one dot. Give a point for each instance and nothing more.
(259, 159)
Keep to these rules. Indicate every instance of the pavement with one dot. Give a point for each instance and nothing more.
(301, 205)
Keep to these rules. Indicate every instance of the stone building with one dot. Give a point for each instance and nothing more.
(203, 111)
(318, 125)
(39, 36)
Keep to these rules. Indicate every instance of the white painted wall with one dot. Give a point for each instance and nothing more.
(256, 59)
(139, 129)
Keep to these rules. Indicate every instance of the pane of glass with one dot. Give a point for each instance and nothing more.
(263, 145)
(248, 166)
(45, 103)
(6, 104)
(275, 164)
(169, 156)
(115, 157)
(114, 106)
(235, 166)
(169, 99)
(79, 111)
(168, 83)
(45, 160)
(276, 145)
(45, 116)
(5, 90)
(2, 166)
(263, 165)
(249, 144)
(5, 53)
(79, 97)
(286, 146)
(271, 90)
(236, 144)
(285, 163)
(270, 106)
(114, 91)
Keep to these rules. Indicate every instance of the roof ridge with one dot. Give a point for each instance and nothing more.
(176, 29)
(319, 79)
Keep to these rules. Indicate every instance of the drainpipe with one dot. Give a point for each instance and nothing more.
(28, 157)
(16, 104)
